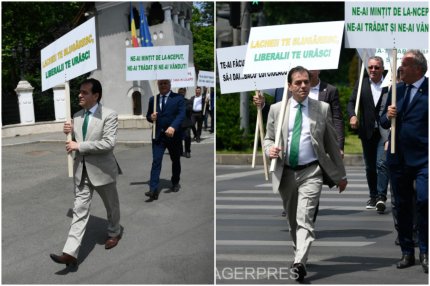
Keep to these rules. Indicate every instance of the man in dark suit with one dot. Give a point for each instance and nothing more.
(409, 163)
(94, 132)
(168, 117)
(197, 103)
(368, 130)
(186, 125)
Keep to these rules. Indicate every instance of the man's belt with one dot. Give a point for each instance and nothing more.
(301, 167)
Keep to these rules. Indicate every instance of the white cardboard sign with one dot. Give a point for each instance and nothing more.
(315, 46)
(386, 24)
(70, 56)
(206, 78)
(188, 81)
(153, 63)
(230, 71)
(386, 55)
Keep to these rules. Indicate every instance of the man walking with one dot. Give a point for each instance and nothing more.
(369, 132)
(409, 163)
(94, 134)
(168, 117)
(308, 152)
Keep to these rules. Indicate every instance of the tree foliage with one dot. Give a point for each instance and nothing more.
(202, 27)
(35, 25)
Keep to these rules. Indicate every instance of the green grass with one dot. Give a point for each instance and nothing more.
(352, 146)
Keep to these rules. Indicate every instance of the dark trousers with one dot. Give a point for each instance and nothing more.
(197, 117)
(402, 181)
(186, 137)
(370, 154)
(174, 145)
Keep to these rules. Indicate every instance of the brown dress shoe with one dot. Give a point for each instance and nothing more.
(111, 242)
(64, 259)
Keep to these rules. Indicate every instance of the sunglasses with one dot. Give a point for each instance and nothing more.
(374, 67)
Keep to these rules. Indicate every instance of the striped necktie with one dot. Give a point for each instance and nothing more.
(295, 141)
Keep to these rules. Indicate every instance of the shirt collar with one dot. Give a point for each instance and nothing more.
(304, 103)
(418, 83)
(94, 108)
(377, 83)
(167, 94)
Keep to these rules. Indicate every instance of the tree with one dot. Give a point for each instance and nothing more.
(202, 27)
(38, 25)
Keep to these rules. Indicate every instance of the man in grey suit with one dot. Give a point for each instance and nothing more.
(307, 156)
(94, 133)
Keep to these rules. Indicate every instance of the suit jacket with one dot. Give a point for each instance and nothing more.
(327, 93)
(369, 113)
(411, 128)
(97, 149)
(323, 136)
(171, 116)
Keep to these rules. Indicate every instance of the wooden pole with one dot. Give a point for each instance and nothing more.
(208, 94)
(393, 99)
(257, 126)
(280, 122)
(154, 123)
(360, 82)
(260, 123)
(68, 136)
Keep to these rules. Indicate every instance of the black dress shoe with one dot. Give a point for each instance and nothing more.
(407, 260)
(187, 155)
(397, 242)
(152, 195)
(424, 259)
(175, 188)
(300, 270)
(64, 259)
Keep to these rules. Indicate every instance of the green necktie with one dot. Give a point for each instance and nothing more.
(85, 125)
(295, 141)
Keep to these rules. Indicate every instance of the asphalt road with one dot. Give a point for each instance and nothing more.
(353, 245)
(169, 241)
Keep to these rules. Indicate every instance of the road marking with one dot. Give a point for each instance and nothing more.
(279, 207)
(266, 199)
(321, 217)
(237, 175)
(270, 192)
(285, 258)
(290, 243)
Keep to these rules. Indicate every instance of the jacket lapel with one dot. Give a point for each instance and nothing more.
(417, 95)
(95, 120)
(312, 113)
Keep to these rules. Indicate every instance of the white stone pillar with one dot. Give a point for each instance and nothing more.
(167, 14)
(182, 21)
(60, 102)
(25, 102)
(175, 17)
(188, 25)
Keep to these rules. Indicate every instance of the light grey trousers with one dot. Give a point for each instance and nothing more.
(81, 212)
(300, 192)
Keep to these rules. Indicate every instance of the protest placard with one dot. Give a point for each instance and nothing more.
(230, 72)
(206, 78)
(70, 56)
(385, 54)
(386, 24)
(188, 81)
(281, 47)
(152, 63)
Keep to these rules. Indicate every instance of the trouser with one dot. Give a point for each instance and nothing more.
(81, 212)
(174, 145)
(197, 117)
(186, 137)
(300, 192)
(402, 181)
(370, 154)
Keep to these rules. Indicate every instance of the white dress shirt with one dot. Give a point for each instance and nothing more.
(306, 151)
(165, 99)
(315, 91)
(197, 106)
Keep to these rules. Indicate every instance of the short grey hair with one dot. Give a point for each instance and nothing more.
(377, 58)
(419, 59)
